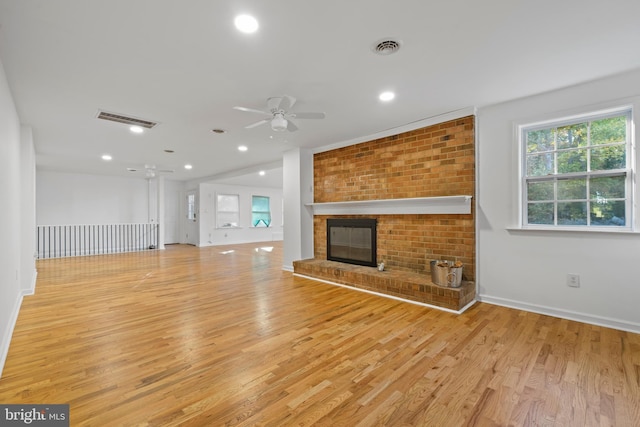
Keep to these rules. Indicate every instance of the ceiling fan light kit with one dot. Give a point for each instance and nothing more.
(279, 123)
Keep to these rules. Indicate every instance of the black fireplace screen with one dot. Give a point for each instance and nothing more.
(352, 241)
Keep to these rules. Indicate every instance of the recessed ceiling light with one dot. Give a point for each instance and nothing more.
(242, 148)
(387, 96)
(169, 151)
(188, 166)
(246, 23)
(106, 157)
(218, 131)
(136, 129)
(262, 173)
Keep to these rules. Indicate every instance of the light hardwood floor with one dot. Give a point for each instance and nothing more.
(197, 337)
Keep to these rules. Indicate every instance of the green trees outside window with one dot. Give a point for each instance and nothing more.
(576, 173)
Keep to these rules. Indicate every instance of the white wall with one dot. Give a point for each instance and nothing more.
(210, 235)
(28, 211)
(17, 265)
(298, 191)
(173, 191)
(69, 198)
(527, 269)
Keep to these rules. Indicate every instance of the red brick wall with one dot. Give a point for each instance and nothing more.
(438, 160)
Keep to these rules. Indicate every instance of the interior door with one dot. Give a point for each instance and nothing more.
(192, 218)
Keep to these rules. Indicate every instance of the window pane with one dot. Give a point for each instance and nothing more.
(572, 136)
(572, 213)
(540, 190)
(228, 203)
(609, 187)
(610, 130)
(191, 206)
(608, 213)
(572, 161)
(227, 219)
(228, 207)
(540, 213)
(565, 168)
(572, 189)
(261, 219)
(260, 211)
(540, 140)
(540, 164)
(607, 158)
(260, 204)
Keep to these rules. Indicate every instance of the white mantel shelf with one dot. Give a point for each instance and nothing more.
(417, 205)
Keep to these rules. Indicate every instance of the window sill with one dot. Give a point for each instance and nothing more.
(570, 230)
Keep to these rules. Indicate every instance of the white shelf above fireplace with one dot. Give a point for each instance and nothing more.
(417, 205)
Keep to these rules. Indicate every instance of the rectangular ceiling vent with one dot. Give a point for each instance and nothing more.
(126, 120)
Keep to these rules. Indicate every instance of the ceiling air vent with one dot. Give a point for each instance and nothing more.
(125, 119)
(386, 46)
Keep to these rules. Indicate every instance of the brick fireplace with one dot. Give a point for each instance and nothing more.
(434, 161)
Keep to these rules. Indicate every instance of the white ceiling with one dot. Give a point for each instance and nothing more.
(183, 64)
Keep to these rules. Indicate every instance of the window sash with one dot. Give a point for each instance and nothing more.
(260, 211)
(587, 174)
(227, 210)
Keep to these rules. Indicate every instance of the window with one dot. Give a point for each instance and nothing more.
(260, 211)
(191, 206)
(577, 173)
(227, 210)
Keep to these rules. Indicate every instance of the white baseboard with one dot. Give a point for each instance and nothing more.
(8, 332)
(607, 322)
(32, 285)
(388, 296)
(13, 318)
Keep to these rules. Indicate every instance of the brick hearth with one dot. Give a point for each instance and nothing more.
(403, 284)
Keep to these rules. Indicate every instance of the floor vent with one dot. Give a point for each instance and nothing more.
(125, 119)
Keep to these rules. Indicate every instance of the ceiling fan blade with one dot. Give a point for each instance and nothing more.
(291, 127)
(308, 115)
(273, 103)
(261, 122)
(287, 102)
(252, 110)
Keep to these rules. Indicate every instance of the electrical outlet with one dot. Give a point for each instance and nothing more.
(573, 280)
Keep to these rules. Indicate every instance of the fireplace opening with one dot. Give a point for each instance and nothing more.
(352, 241)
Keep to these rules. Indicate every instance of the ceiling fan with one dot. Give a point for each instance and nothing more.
(150, 171)
(279, 114)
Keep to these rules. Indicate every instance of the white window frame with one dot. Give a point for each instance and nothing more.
(219, 211)
(581, 116)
